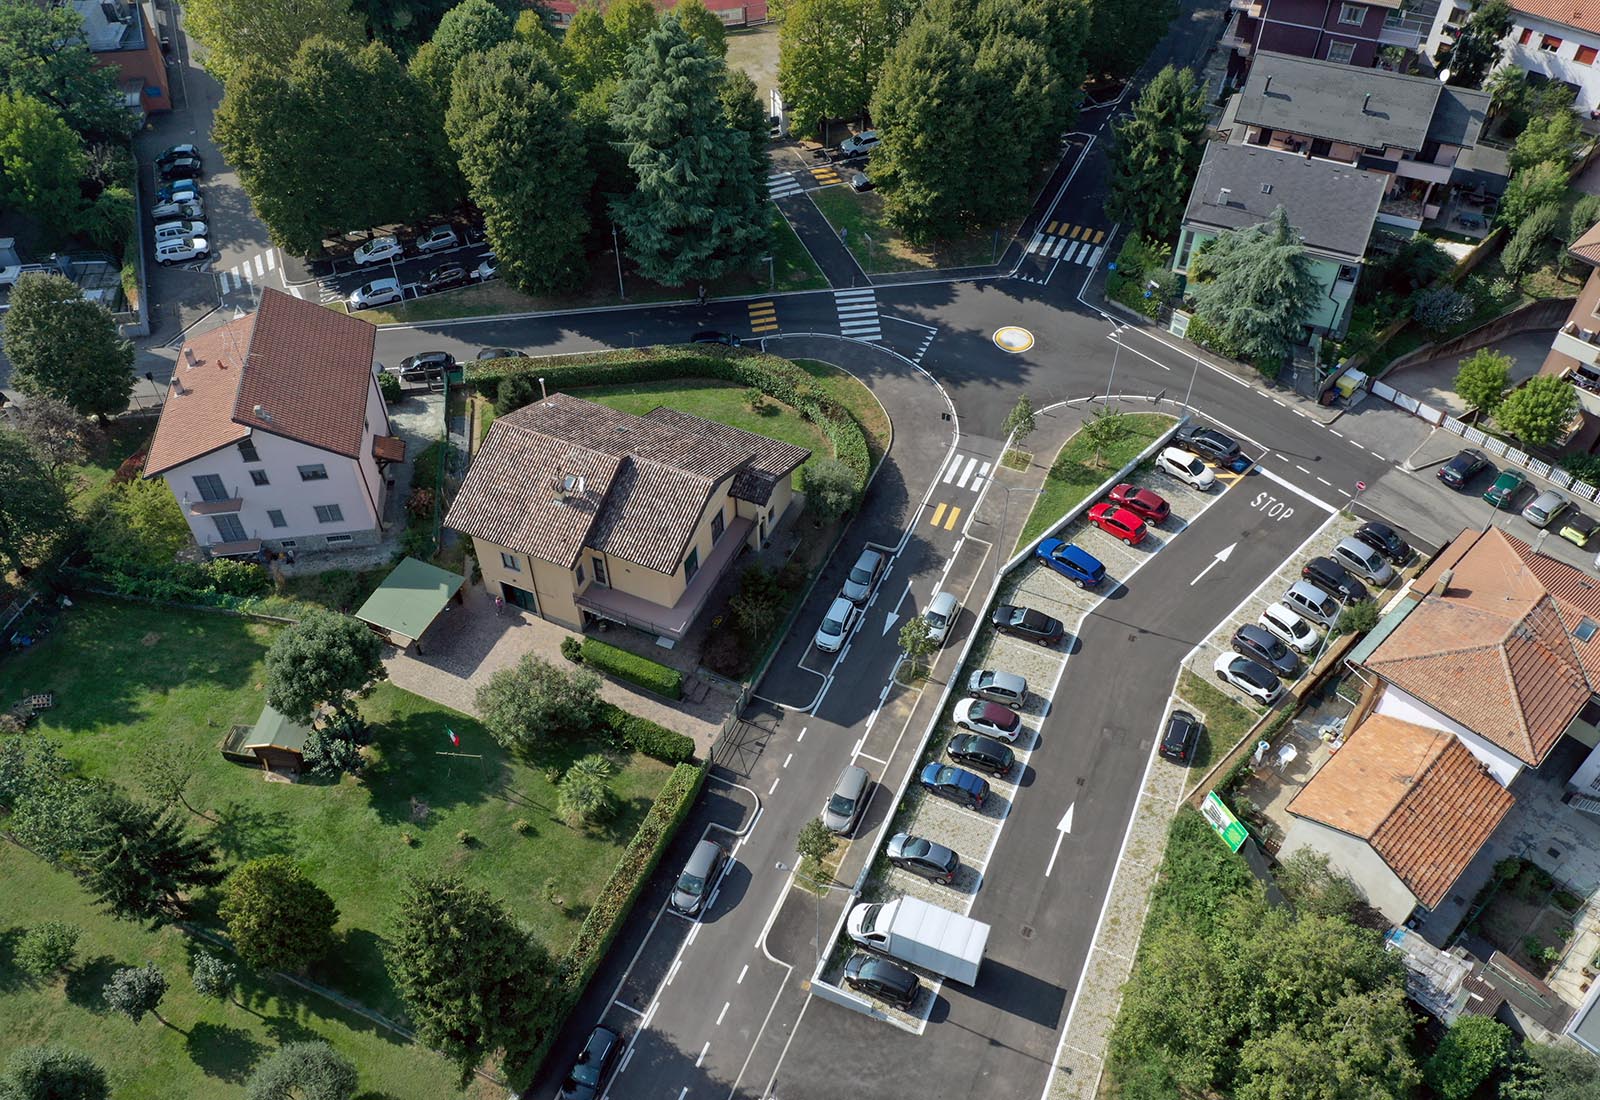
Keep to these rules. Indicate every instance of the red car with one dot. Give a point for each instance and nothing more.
(1118, 522)
(1148, 506)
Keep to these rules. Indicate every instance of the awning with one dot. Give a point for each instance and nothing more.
(388, 448)
(409, 599)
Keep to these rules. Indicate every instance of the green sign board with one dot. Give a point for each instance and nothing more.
(1228, 827)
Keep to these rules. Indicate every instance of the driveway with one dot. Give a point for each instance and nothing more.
(1433, 382)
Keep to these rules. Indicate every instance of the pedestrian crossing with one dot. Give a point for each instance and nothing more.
(858, 313)
(763, 317)
(966, 472)
(251, 271)
(1073, 244)
(826, 175)
(780, 185)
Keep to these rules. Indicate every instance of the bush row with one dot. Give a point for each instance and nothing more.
(219, 583)
(777, 378)
(651, 675)
(650, 738)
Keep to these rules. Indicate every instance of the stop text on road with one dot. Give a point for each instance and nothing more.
(1272, 506)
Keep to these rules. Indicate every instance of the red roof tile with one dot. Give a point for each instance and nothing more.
(1582, 14)
(198, 415)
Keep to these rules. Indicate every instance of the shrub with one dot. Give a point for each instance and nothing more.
(1472, 1050)
(465, 838)
(419, 503)
(648, 674)
(534, 702)
(131, 467)
(236, 578)
(830, 489)
(213, 976)
(389, 387)
(643, 735)
(47, 949)
(277, 917)
(726, 654)
(1440, 307)
(584, 796)
(1357, 618)
(522, 827)
(572, 649)
(1527, 244)
(1585, 468)
(304, 1071)
(515, 391)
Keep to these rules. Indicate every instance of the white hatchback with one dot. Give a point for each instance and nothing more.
(174, 231)
(181, 250)
(1187, 467)
(376, 293)
(1289, 628)
(377, 250)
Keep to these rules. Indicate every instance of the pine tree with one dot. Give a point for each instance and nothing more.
(139, 863)
(1255, 288)
(1157, 152)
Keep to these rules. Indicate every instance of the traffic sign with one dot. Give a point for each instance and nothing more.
(1361, 486)
(1228, 827)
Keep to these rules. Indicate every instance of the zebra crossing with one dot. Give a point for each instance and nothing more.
(966, 472)
(1073, 244)
(858, 313)
(249, 271)
(780, 185)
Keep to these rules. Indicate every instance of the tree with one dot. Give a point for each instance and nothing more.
(33, 509)
(1482, 378)
(698, 211)
(1539, 411)
(1362, 1050)
(628, 24)
(58, 820)
(139, 864)
(702, 24)
(1439, 307)
(266, 32)
(758, 606)
(277, 917)
(213, 976)
(831, 55)
(1122, 32)
(41, 162)
(1583, 216)
(304, 1071)
(471, 27)
(28, 765)
(1106, 428)
(52, 1073)
(469, 976)
(135, 991)
(589, 57)
(324, 659)
(584, 796)
(1156, 153)
(747, 117)
(62, 345)
(1552, 136)
(523, 158)
(137, 524)
(54, 429)
(44, 53)
(1255, 288)
(830, 488)
(815, 842)
(329, 754)
(534, 703)
(165, 770)
(1529, 189)
(1472, 1051)
(917, 642)
(47, 949)
(1479, 46)
(1529, 242)
(1312, 885)
(1539, 1071)
(1019, 423)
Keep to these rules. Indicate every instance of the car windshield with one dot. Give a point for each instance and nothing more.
(1017, 616)
(832, 627)
(916, 849)
(935, 619)
(860, 575)
(841, 805)
(691, 884)
(946, 776)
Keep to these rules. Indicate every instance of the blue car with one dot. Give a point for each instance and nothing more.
(956, 784)
(1078, 566)
(170, 191)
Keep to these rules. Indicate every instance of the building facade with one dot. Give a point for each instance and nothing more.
(1549, 40)
(121, 37)
(1345, 32)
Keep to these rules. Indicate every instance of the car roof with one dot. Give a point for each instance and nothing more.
(981, 742)
(942, 602)
(1355, 546)
(853, 780)
(1081, 557)
(869, 555)
(992, 712)
(1003, 679)
(1313, 594)
(1287, 616)
(704, 855)
(1258, 633)
(1550, 496)
(840, 605)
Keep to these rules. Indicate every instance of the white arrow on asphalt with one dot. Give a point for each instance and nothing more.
(889, 619)
(1062, 830)
(1222, 555)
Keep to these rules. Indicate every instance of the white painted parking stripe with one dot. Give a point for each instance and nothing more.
(961, 482)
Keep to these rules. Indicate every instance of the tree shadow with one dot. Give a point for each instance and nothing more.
(12, 977)
(86, 983)
(223, 1051)
(243, 831)
(407, 771)
(359, 969)
(622, 825)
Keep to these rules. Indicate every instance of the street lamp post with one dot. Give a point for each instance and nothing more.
(772, 278)
(1005, 516)
(816, 888)
(1116, 350)
(1190, 391)
(617, 249)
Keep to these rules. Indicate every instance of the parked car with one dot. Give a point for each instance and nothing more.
(860, 182)
(1362, 560)
(880, 978)
(991, 719)
(445, 277)
(1077, 565)
(998, 687)
(1333, 579)
(864, 142)
(863, 577)
(1147, 504)
(1118, 522)
(171, 191)
(848, 799)
(427, 366)
(1186, 467)
(496, 353)
(940, 615)
(922, 857)
(699, 877)
(487, 268)
(836, 625)
(1179, 739)
(1289, 628)
(378, 292)
(1028, 624)
(171, 231)
(177, 152)
(1546, 508)
(377, 250)
(436, 238)
(980, 752)
(1386, 541)
(712, 336)
(181, 168)
(587, 1077)
(180, 250)
(955, 784)
(1254, 641)
(188, 207)
(1578, 528)
(1305, 598)
(1503, 493)
(1463, 468)
(1208, 443)
(1250, 677)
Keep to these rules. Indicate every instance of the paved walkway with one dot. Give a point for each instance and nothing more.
(1433, 382)
(837, 263)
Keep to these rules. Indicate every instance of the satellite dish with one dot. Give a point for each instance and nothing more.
(1444, 75)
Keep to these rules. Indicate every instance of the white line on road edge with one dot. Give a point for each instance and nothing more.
(1295, 489)
(774, 786)
(723, 1013)
(697, 1062)
(788, 758)
(673, 973)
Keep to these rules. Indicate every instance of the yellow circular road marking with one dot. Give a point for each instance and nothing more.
(1013, 339)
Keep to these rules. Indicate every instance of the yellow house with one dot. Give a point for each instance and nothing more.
(578, 511)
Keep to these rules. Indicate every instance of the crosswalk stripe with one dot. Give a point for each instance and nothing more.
(261, 269)
(961, 482)
(955, 464)
(1074, 233)
(1052, 228)
(850, 328)
(272, 259)
(1099, 236)
(296, 292)
(1077, 249)
(855, 295)
(1060, 245)
(857, 311)
(1094, 260)
(764, 328)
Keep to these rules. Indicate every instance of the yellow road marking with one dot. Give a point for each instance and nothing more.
(1052, 228)
(938, 514)
(1100, 235)
(950, 524)
(1075, 231)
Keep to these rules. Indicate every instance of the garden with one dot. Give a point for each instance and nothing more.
(881, 247)
(1525, 913)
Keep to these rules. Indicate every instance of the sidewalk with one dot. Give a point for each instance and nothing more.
(838, 266)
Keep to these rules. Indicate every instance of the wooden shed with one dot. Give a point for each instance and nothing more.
(409, 599)
(274, 742)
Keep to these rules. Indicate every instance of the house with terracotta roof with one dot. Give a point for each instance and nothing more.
(274, 434)
(1555, 40)
(579, 512)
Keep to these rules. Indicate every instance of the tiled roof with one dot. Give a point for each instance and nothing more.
(1587, 247)
(1495, 651)
(1424, 803)
(309, 370)
(1582, 14)
(770, 459)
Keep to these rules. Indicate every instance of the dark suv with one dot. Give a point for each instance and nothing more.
(882, 979)
(1334, 579)
(1028, 624)
(1253, 641)
(1208, 443)
(955, 784)
(587, 1077)
(1181, 736)
(1463, 468)
(1386, 541)
(980, 752)
(427, 366)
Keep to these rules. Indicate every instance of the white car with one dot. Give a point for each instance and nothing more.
(1292, 630)
(836, 625)
(376, 293)
(989, 719)
(1251, 677)
(377, 250)
(940, 615)
(437, 238)
(173, 231)
(178, 208)
(488, 269)
(1187, 467)
(864, 142)
(180, 250)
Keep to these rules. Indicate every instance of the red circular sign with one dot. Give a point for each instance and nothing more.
(1361, 486)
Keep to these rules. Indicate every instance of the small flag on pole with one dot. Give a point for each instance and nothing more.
(454, 740)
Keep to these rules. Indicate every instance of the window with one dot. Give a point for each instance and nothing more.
(717, 527)
(258, 477)
(329, 513)
(1459, 15)
(1549, 43)
(581, 577)
(276, 516)
(210, 486)
(1585, 55)
(510, 562)
(288, 544)
(600, 576)
(1526, 36)
(229, 528)
(318, 472)
(247, 450)
(1352, 14)
(333, 539)
(691, 565)
(1321, 147)
(1340, 53)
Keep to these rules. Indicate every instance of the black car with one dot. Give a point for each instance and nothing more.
(174, 153)
(182, 168)
(881, 978)
(1334, 579)
(922, 857)
(587, 1077)
(445, 277)
(1463, 468)
(427, 366)
(712, 336)
(1253, 641)
(980, 752)
(1182, 734)
(1025, 622)
(1208, 443)
(496, 353)
(1386, 541)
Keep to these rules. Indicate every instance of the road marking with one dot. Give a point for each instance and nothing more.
(950, 471)
(788, 758)
(889, 619)
(695, 930)
(1270, 476)
(683, 1093)
(740, 979)
(627, 1007)
(1062, 830)
(625, 1060)
(1326, 482)
(961, 482)
(950, 524)
(763, 317)
(1332, 432)
(774, 785)
(697, 1062)
(938, 514)
(874, 759)
(1221, 555)
(272, 259)
(673, 973)
(802, 736)
(260, 268)
(723, 1013)
(1303, 470)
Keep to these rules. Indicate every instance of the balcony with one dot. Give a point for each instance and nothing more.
(227, 507)
(669, 622)
(1397, 30)
(1252, 8)
(1580, 343)
(1233, 36)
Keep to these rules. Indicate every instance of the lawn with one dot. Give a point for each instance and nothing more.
(1074, 474)
(844, 388)
(106, 449)
(880, 247)
(126, 676)
(1226, 721)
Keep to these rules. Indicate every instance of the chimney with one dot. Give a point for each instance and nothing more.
(1442, 585)
(1222, 196)
(262, 414)
(188, 357)
(177, 387)
(1365, 102)
(1267, 86)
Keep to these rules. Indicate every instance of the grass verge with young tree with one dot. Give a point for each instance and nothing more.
(1084, 462)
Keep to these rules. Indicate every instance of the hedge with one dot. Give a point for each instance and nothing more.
(650, 738)
(649, 674)
(776, 377)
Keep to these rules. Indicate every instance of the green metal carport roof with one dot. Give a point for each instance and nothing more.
(410, 598)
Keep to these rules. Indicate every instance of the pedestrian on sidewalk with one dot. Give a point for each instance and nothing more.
(499, 604)
(700, 297)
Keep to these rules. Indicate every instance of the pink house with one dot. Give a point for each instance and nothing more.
(735, 13)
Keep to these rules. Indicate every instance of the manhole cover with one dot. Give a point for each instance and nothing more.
(1027, 931)
(1013, 339)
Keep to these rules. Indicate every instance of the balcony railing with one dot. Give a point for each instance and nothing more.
(1252, 8)
(1580, 343)
(1397, 30)
(1233, 37)
(216, 507)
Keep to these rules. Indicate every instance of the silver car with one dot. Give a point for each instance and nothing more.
(941, 615)
(998, 687)
(836, 624)
(863, 576)
(1546, 508)
(1363, 561)
(1306, 599)
(848, 799)
(699, 877)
